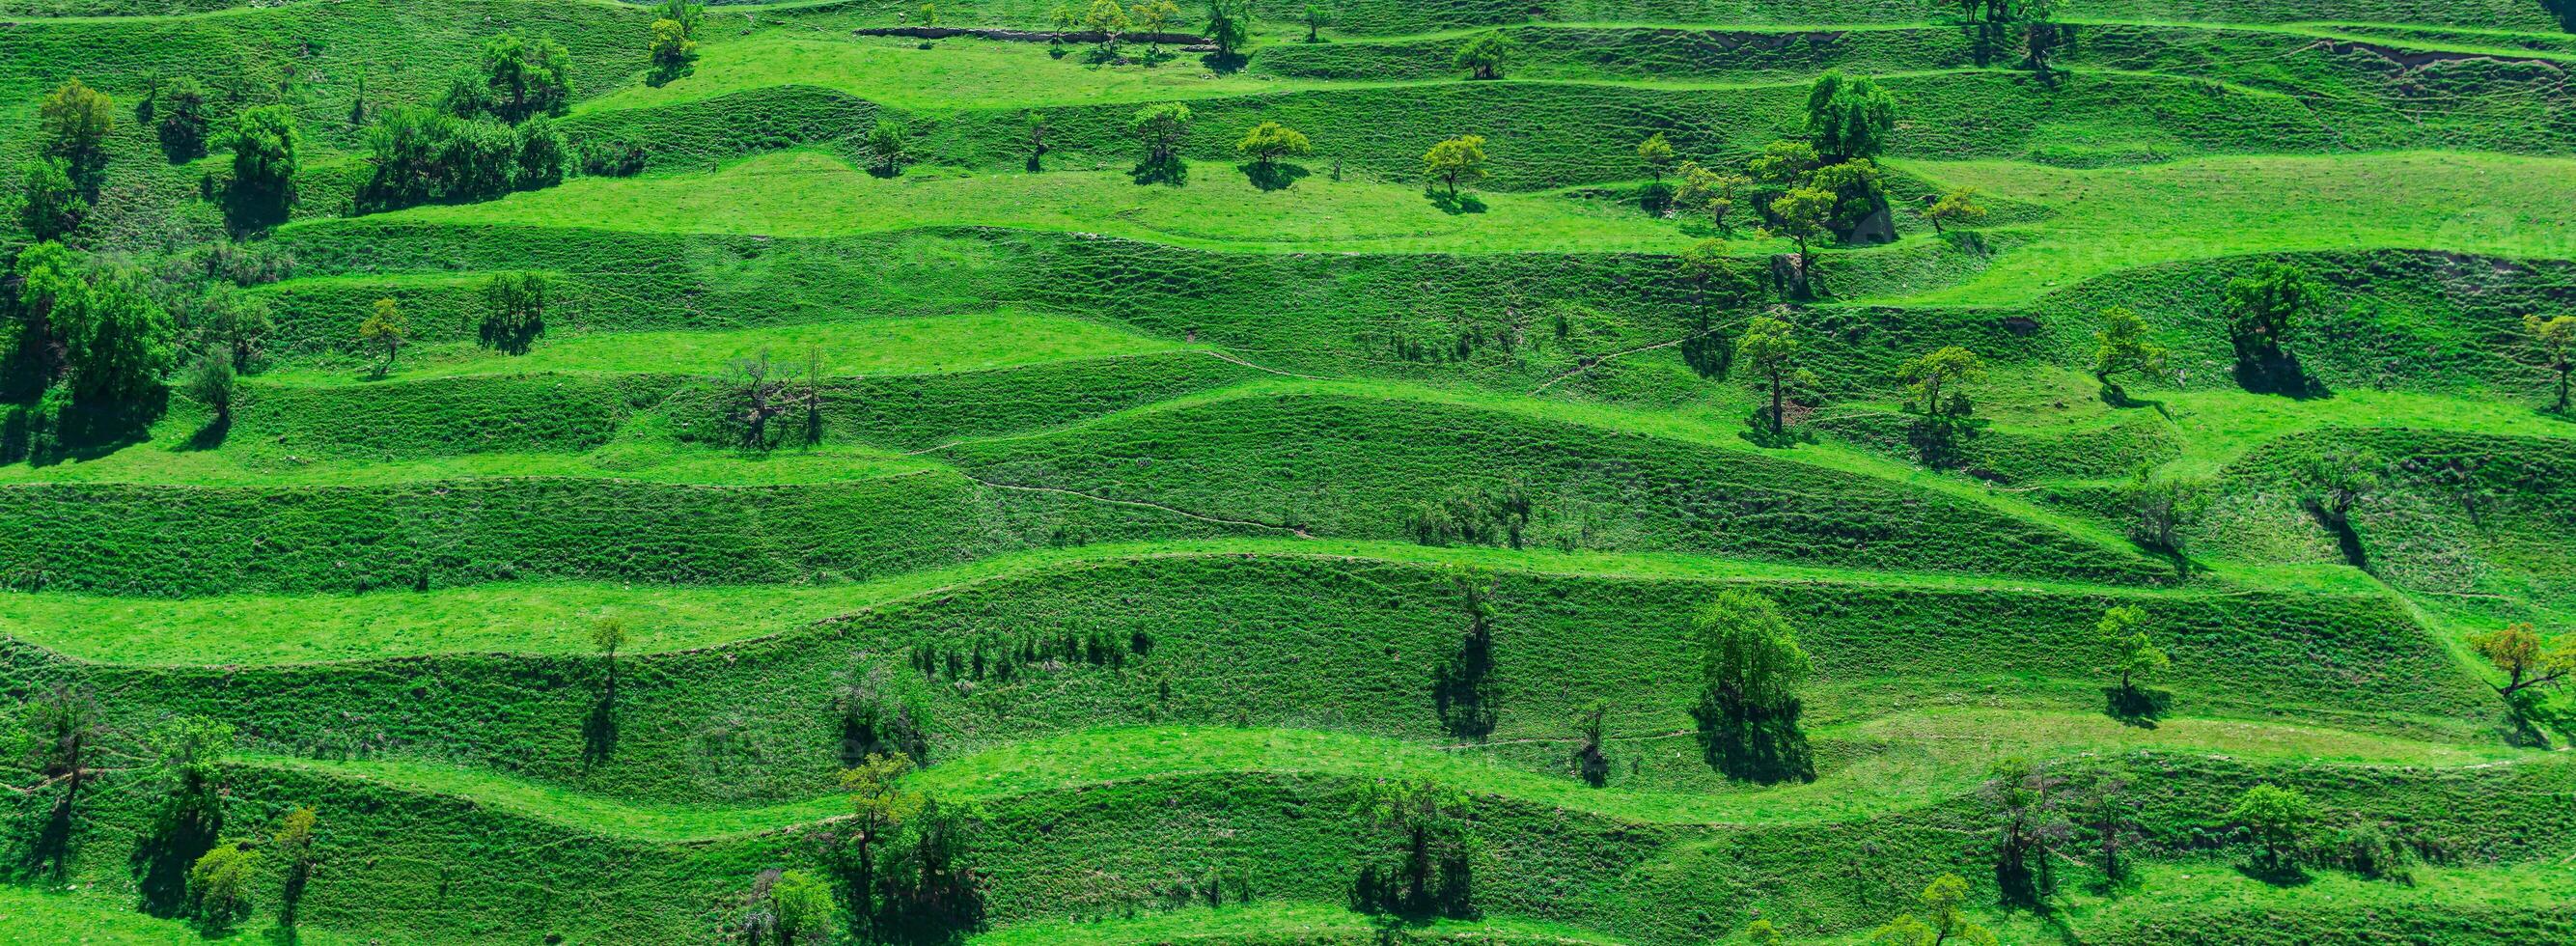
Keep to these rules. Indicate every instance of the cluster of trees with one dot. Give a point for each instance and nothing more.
(74, 122)
(488, 135)
(673, 46)
(2029, 27)
(186, 866)
(514, 312)
(898, 869)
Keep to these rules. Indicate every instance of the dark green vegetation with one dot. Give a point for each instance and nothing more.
(1614, 473)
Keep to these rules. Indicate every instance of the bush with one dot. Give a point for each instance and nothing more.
(219, 885)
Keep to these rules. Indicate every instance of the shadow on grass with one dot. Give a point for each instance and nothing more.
(1461, 203)
(2137, 707)
(2282, 873)
(1272, 176)
(1170, 171)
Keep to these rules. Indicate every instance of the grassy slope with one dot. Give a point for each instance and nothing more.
(475, 700)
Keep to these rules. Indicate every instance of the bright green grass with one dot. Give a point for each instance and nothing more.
(2115, 218)
(952, 74)
(812, 194)
(1271, 922)
(975, 341)
(97, 918)
(2169, 892)
(1914, 759)
(2216, 423)
(173, 464)
(552, 618)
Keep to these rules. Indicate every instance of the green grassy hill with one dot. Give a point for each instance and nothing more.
(1295, 553)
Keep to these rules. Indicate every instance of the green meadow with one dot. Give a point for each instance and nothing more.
(1615, 473)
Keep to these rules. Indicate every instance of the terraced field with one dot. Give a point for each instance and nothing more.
(484, 471)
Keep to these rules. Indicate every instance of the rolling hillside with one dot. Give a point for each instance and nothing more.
(1631, 473)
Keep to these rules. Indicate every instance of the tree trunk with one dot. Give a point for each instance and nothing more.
(1775, 404)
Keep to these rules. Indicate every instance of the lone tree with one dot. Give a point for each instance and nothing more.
(1702, 265)
(1161, 128)
(1268, 142)
(672, 52)
(607, 636)
(2264, 309)
(1751, 670)
(879, 808)
(219, 885)
(1229, 25)
(1956, 207)
(210, 381)
(1316, 18)
(1109, 20)
(50, 204)
(2334, 480)
(294, 846)
(1153, 17)
(2029, 822)
(385, 330)
(1770, 348)
(2526, 659)
(1946, 922)
(1483, 55)
(2556, 339)
(2122, 347)
(514, 311)
(1456, 162)
(75, 121)
(524, 78)
(1945, 369)
(2133, 652)
(800, 908)
(263, 140)
(886, 146)
(1657, 155)
(181, 119)
(1849, 118)
(1427, 840)
(2278, 819)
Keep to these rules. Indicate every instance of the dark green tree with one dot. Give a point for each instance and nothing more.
(1483, 55)
(1849, 118)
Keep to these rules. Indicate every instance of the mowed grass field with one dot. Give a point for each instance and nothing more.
(1252, 557)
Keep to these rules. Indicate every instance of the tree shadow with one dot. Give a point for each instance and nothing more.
(209, 436)
(1418, 897)
(1458, 203)
(2564, 10)
(161, 862)
(2285, 872)
(249, 210)
(1591, 765)
(1225, 64)
(1939, 442)
(1655, 198)
(1709, 354)
(511, 339)
(1751, 744)
(1170, 171)
(2347, 541)
(2135, 706)
(599, 730)
(2279, 374)
(1462, 687)
(48, 840)
(1272, 176)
